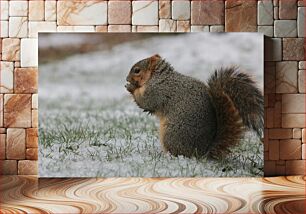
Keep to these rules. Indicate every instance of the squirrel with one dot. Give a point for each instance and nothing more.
(196, 118)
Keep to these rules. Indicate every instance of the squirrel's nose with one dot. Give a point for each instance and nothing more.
(128, 79)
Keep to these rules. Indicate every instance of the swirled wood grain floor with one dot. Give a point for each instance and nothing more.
(139, 195)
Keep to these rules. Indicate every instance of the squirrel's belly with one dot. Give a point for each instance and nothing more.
(162, 129)
(189, 133)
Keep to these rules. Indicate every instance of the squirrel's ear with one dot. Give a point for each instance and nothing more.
(153, 61)
(156, 56)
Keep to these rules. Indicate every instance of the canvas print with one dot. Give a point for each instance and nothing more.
(150, 105)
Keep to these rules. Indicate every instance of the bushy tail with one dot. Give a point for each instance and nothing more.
(239, 105)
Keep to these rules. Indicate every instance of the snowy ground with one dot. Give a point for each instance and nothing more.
(89, 125)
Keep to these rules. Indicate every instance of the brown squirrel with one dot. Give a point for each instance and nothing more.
(197, 119)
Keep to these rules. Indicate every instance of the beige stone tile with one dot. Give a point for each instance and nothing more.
(287, 9)
(2, 130)
(180, 10)
(199, 28)
(75, 29)
(183, 26)
(4, 29)
(134, 28)
(293, 103)
(274, 150)
(35, 101)
(286, 77)
(304, 151)
(27, 167)
(26, 80)
(164, 9)
(1, 110)
(293, 120)
(41, 26)
(290, 149)
(302, 65)
(17, 110)
(265, 12)
(29, 52)
(297, 133)
(18, 8)
(17, 64)
(4, 10)
(18, 27)
(216, 28)
(11, 49)
(2, 146)
(7, 77)
(36, 10)
(15, 144)
(304, 135)
(119, 28)
(101, 28)
(275, 13)
(146, 28)
(119, 12)
(280, 133)
(8, 167)
(301, 22)
(32, 138)
(167, 25)
(207, 12)
(285, 28)
(76, 12)
(295, 167)
(145, 13)
(293, 49)
(34, 118)
(50, 10)
(302, 81)
(239, 16)
(32, 154)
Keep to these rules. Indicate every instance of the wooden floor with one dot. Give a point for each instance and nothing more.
(138, 195)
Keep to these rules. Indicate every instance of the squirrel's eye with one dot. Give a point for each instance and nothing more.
(136, 70)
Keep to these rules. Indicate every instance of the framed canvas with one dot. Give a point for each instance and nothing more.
(196, 109)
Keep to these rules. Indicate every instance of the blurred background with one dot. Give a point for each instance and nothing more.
(88, 123)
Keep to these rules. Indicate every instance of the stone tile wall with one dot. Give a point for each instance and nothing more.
(283, 21)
